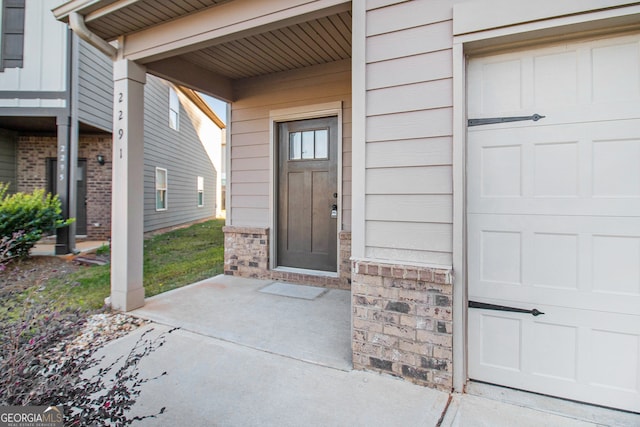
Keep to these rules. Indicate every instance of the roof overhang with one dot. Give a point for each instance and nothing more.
(207, 44)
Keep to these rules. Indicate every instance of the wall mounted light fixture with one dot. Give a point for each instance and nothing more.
(100, 159)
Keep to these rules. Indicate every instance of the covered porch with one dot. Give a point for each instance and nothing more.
(273, 62)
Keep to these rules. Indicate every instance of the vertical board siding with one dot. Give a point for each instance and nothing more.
(408, 200)
(8, 160)
(95, 87)
(250, 164)
(182, 153)
(44, 65)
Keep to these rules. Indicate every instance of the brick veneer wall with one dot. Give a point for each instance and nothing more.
(402, 322)
(246, 254)
(32, 164)
(98, 185)
(33, 152)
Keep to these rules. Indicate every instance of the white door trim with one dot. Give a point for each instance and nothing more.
(312, 111)
(500, 39)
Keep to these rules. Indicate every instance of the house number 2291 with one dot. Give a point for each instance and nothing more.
(120, 130)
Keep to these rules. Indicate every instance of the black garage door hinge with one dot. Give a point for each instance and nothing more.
(493, 120)
(483, 305)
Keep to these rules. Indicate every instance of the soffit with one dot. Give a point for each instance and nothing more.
(315, 42)
(319, 40)
(130, 17)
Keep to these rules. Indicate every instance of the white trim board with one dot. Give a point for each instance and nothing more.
(311, 111)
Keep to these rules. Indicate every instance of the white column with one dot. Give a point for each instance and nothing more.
(127, 290)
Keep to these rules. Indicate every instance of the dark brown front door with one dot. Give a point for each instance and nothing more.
(308, 194)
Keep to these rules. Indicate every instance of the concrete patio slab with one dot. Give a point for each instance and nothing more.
(216, 383)
(248, 358)
(233, 309)
(293, 291)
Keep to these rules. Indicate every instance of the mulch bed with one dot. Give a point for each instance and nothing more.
(20, 275)
(34, 272)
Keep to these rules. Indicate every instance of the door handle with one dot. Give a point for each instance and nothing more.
(334, 211)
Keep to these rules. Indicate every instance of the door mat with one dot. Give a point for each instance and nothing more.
(294, 291)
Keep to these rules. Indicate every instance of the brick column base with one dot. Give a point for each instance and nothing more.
(246, 254)
(402, 322)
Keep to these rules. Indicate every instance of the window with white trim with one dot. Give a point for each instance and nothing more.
(200, 191)
(161, 189)
(174, 110)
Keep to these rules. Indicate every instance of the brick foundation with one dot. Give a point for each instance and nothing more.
(33, 152)
(246, 254)
(402, 322)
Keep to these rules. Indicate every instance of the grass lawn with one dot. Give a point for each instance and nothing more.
(171, 260)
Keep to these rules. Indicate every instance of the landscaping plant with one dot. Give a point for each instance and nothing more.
(31, 215)
(39, 365)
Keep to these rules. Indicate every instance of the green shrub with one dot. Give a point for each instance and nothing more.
(31, 215)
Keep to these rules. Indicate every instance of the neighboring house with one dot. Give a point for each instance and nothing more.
(392, 147)
(56, 104)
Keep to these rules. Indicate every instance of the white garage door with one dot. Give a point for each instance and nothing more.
(553, 215)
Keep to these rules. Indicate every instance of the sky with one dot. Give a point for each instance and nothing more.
(218, 107)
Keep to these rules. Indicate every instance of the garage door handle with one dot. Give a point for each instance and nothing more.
(493, 120)
(485, 306)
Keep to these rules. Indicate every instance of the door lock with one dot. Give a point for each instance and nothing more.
(334, 211)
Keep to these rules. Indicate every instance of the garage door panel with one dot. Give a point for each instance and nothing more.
(561, 363)
(569, 169)
(586, 262)
(501, 350)
(563, 352)
(553, 220)
(615, 168)
(587, 78)
(616, 265)
(615, 69)
(622, 365)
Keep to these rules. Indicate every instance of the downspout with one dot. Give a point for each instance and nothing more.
(76, 22)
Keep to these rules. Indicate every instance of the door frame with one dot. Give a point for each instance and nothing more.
(313, 111)
(517, 36)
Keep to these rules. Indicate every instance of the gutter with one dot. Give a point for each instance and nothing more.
(76, 22)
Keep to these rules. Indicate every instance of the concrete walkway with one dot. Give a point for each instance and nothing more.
(49, 249)
(250, 353)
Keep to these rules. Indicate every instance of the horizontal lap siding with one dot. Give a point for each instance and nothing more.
(409, 98)
(250, 160)
(95, 87)
(183, 155)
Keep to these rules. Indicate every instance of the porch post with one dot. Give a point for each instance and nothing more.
(61, 175)
(127, 291)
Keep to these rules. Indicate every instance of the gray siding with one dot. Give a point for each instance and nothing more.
(182, 154)
(409, 196)
(95, 87)
(8, 159)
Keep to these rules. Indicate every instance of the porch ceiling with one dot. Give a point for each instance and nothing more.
(314, 41)
(123, 17)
